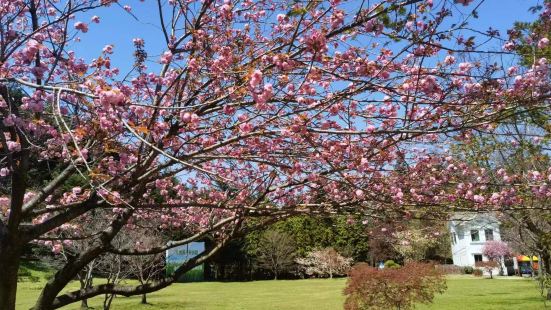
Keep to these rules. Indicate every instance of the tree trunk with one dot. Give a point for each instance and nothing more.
(83, 279)
(532, 273)
(545, 262)
(9, 266)
(142, 282)
(107, 301)
(540, 267)
(545, 268)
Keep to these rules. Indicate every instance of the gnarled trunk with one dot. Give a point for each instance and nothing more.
(545, 262)
(9, 265)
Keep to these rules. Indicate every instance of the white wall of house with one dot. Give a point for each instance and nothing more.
(464, 230)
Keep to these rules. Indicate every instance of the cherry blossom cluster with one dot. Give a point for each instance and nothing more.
(258, 108)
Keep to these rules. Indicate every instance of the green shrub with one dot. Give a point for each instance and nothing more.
(24, 272)
(468, 270)
(33, 279)
(391, 264)
(34, 271)
(477, 272)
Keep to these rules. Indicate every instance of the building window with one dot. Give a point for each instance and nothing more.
(474, 235)
(489, 234)
(477, 258)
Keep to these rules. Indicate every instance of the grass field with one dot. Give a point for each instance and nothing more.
(464, 292)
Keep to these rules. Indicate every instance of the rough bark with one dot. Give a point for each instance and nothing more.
(10, 252)
(546, 266)
(10, 242)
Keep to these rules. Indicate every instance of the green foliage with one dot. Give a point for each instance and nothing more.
(528, 51)
(347, 236)
(33, 271)
(392, 264)
(25, 274)
(275, 252)
(468, 270)
(297, 12)
(414, 240)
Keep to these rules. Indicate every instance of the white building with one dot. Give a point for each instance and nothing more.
(469, 232)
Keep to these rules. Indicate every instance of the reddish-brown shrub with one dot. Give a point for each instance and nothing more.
(372, 288)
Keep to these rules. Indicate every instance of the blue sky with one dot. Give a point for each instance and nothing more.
(500, 14)
(119, 28)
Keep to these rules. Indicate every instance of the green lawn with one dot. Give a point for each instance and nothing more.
(467, 292)
(464, 292)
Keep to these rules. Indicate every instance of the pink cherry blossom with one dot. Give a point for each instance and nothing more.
(56, 248)
(166, 57)
(112, 97)
(4, 172)
(509, 46)
(256, 79)
(13, 146)
(81, 26)
(543, 43)
(463, 2)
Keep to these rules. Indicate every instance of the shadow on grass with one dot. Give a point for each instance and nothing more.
(36, 265)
